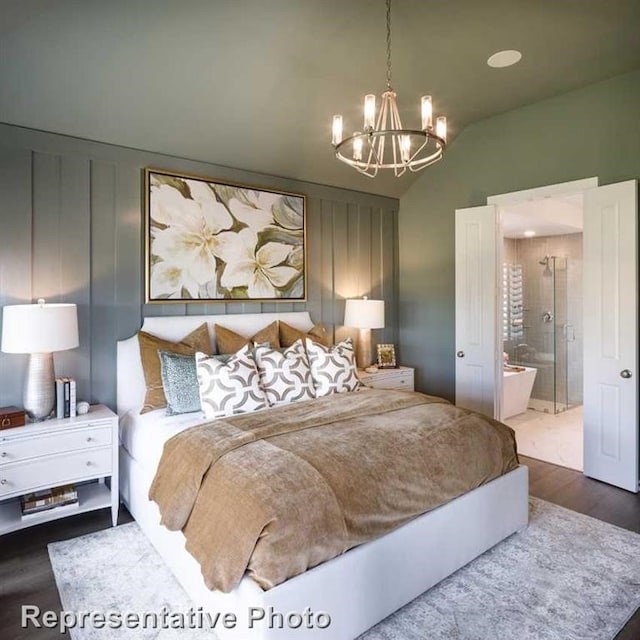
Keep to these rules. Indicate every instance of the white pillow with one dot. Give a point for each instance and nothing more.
(285, 375)
(229, 385)
(333, 369)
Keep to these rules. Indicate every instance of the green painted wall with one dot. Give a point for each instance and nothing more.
(594, 131)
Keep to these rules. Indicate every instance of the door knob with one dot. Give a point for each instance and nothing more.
(625, 373)
(460, 354)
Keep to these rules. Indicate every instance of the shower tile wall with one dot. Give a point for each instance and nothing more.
(538, 298)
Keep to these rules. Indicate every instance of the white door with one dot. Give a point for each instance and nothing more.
(476, 309)
(610, 335)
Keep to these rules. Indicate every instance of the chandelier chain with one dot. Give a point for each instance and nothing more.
(389, 45)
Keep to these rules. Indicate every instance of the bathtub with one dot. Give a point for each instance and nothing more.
(516, 391)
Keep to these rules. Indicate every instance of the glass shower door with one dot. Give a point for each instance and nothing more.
(560, 334)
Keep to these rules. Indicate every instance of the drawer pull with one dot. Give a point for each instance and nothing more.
(3, 481)
(89, 463)
(4, 454)
(89, 439)
(6, 422)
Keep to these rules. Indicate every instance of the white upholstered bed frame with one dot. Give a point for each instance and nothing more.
(358, 588)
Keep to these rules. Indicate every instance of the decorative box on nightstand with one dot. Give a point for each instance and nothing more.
(400, 378)
(12, 417)
(82, 451)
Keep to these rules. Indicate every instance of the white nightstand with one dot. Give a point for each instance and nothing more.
(52, 453)
(400, 378)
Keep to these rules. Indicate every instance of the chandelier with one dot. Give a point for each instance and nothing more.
(384, 143)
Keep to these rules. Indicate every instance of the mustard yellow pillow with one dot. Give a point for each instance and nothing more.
(318, 334)
(197, 340)
(231, 342)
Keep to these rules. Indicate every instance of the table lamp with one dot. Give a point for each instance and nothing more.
(39, 330)
(364, 314)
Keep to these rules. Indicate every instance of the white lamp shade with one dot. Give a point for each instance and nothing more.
(362, 313)
(39, 328)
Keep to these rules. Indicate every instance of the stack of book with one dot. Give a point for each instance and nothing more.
(59, 498)
(65, 398)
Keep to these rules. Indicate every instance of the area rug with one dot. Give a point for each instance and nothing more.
(566, 577)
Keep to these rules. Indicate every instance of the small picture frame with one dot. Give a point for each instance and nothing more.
(387, 356)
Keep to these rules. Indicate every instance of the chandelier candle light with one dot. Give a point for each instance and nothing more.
(383, 143)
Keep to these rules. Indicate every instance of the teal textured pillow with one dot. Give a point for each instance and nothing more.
(179, 382)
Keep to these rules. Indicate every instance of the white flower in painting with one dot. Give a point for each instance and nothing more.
(169, 279)
(193, 230)
(260, 271)
(169, 207)
(257, 213)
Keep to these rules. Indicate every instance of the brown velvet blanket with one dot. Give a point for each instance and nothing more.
(279, 491)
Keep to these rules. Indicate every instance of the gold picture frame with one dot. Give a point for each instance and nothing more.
(208, 240)
(387, 356)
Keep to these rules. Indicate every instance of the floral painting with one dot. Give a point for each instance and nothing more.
(210, 241)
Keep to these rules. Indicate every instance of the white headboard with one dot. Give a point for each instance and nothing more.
(130, 383)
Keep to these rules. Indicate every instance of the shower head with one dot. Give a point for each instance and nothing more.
(545, 263)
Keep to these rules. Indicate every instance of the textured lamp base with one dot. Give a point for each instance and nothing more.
(39, 387)
(363, 349)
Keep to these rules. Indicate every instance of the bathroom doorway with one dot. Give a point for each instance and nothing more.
(611, 405)
(542, 337)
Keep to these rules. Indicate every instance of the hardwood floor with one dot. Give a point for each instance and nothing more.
(26, 576)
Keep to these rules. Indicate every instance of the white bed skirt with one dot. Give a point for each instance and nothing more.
(357, 589)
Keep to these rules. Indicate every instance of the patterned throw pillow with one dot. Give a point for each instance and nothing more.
(229, 387)
(180, 382)
(285, 376)
(231, 342)
(333, 369)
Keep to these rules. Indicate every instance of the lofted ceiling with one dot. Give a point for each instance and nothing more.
(253, 84)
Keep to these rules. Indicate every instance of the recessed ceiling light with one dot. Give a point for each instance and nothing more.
(504, 58)
(529, 234)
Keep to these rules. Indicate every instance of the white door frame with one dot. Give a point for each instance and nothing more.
(549, 191)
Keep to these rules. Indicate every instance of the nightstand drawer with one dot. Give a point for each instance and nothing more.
(401, 378)
(52, 471)
(394, 382)
(17, 448)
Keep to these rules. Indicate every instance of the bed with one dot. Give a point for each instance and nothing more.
(356, 589)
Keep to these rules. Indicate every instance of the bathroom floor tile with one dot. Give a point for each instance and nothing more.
(552, 438)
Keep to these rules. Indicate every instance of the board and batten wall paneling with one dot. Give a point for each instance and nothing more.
(72, 230)
(15, 255)
(103, 326)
